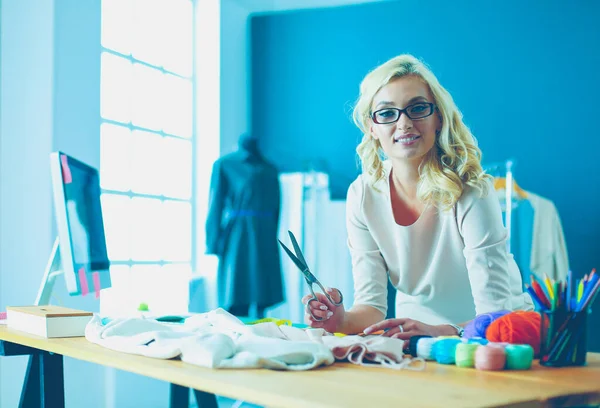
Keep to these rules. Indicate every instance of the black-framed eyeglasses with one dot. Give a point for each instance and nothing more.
(415, 111)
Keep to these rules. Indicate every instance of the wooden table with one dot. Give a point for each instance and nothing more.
(348, 385)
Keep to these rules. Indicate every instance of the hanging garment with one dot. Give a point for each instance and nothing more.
(241, 229)
(537, 239)
(548, 250)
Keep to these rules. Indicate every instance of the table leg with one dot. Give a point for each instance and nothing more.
(44, 384)
(52, 380)
(180, 398)
(30, 394)
(205, 399)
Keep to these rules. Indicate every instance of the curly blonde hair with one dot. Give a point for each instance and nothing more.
(455, 160)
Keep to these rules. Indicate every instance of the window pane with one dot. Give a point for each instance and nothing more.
(146, 165)
(144, 162)
(146, 222)
(115, 89)
(146, 285)
(175, 293)
(148, 31)
(115, 157)
(177, 168)
(147, 97)
(178, 37)
(116, 300)
(116, 214)
(116, 25)
(177, 106)
(177, 231)
(164, 289)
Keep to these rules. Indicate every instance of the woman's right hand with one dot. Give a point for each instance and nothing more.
(332, 315)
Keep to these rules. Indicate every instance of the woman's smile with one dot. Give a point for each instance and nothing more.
(406, 140)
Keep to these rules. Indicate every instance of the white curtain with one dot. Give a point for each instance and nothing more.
(320, 228)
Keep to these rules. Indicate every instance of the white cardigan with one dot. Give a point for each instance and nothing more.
(447, 267)
(549, 254)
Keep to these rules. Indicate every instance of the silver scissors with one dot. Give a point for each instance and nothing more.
(300, 262)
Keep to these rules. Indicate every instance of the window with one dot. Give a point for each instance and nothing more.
(147, 152)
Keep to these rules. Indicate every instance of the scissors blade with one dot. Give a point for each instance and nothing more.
(293, 257)
(310, 278)
(297, 248)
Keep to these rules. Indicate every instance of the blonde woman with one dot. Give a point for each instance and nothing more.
(425, 217)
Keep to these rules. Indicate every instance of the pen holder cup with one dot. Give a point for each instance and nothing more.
(563, 338)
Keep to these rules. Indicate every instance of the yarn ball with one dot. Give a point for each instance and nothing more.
(425, 348)
(478, 326)
(516, 328)
(490, 358)
(445, 350)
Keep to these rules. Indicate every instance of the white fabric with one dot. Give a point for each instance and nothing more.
(215, 339)
(548, 248)
(218, 339)
(372, 350)
(447, 267)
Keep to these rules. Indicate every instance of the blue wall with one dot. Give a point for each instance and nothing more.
(50, 100)
(513, 68)
(25, 140)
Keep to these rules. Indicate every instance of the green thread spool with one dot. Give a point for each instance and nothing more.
(465, 354)
(519, 356)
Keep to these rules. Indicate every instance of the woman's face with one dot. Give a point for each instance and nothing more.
(405, 139)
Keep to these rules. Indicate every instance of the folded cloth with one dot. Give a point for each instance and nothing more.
(137, 336)
(219, 351)
(218, 339)
(215, 339)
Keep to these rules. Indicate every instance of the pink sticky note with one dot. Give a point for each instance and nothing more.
(2, 315)
(66, 171)
(83, 282)
(96, 277)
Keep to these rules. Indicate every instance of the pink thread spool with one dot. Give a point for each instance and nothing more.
(490, 358)
(499, 345)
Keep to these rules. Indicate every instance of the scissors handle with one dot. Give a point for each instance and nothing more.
(314, 298)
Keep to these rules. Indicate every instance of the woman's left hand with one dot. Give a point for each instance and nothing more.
(406, 328)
